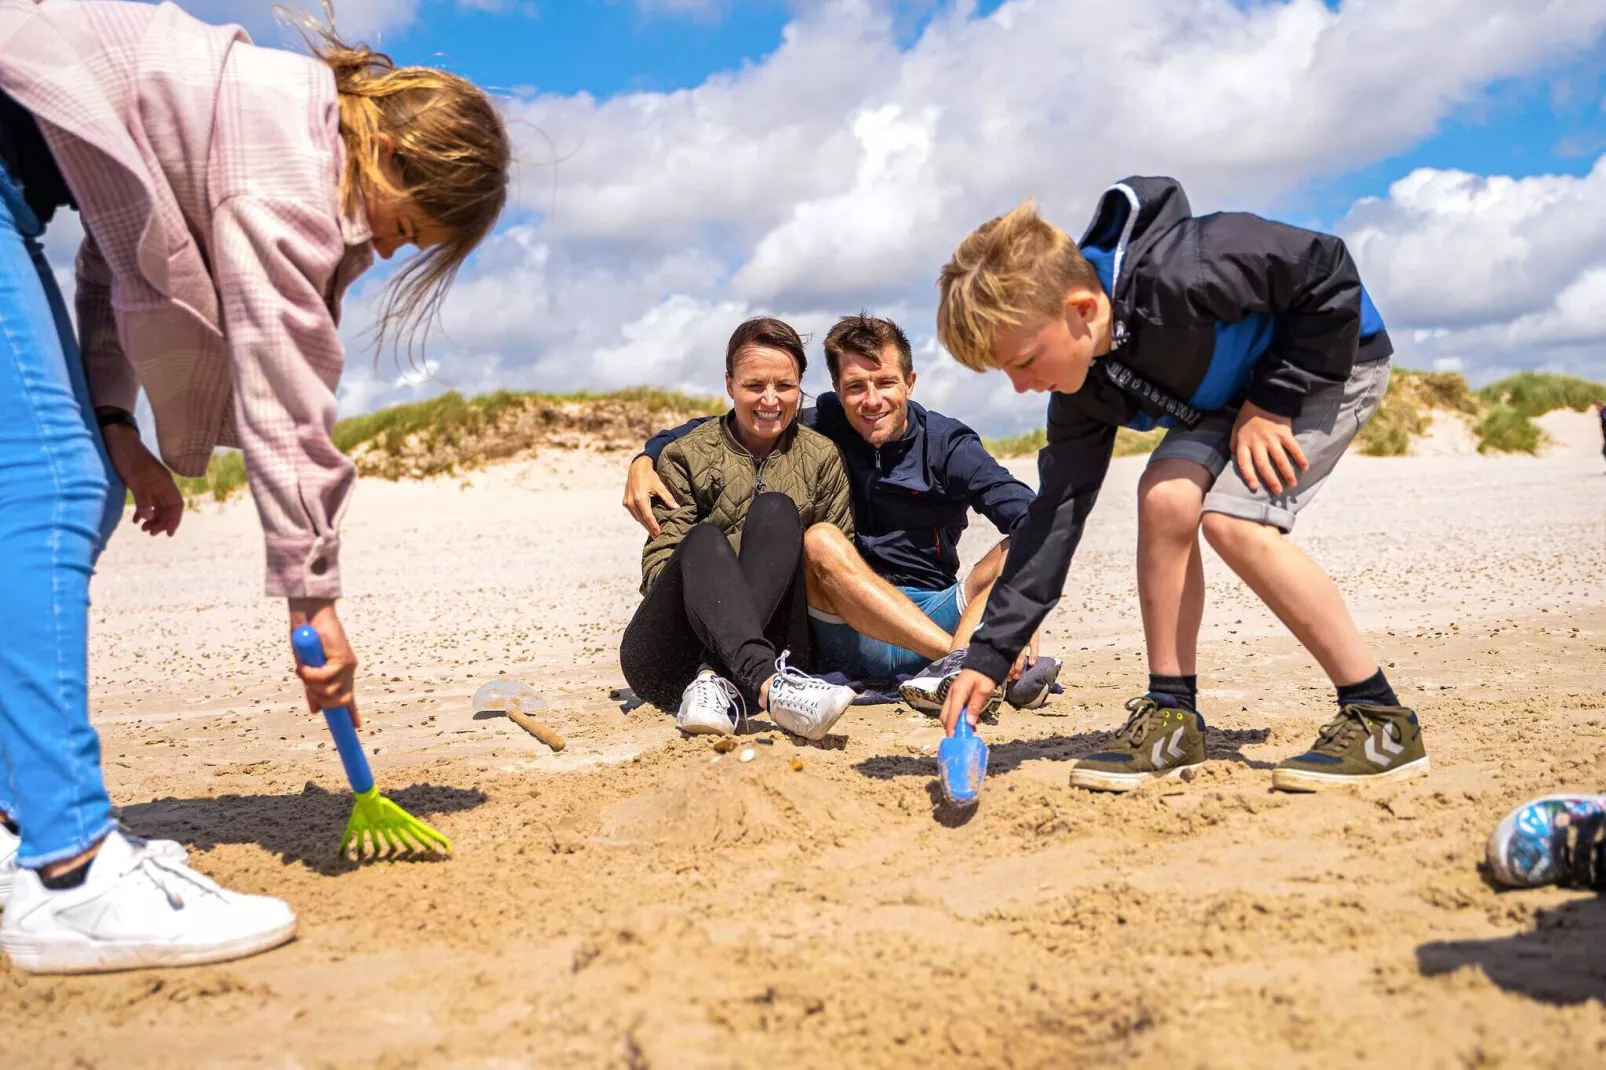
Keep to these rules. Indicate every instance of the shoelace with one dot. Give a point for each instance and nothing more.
(1141, 709)
(729, 693)
(1580, 852)
(1342, 731)
(795, 678)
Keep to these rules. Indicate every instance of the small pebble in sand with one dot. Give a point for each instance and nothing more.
(797, 765)
(724, 745)
(749, 754)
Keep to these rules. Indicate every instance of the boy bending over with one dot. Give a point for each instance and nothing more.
(1255, 343)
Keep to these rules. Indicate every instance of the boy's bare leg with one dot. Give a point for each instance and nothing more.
(978, 585)
(840, 582)
(1170, 568)
(1297, 590)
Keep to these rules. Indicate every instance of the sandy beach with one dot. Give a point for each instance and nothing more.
(642, 901)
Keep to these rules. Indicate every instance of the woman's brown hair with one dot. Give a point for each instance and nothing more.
(445, 148)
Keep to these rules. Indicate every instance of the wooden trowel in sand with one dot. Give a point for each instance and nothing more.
(520, 702)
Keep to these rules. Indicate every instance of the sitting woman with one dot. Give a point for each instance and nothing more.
(724, 579)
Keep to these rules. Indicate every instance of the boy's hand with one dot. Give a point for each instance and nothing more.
(642, 485)
(970, 693)
(1264, 447)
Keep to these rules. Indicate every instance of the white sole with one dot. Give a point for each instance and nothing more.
(706, 730)
(79, 954)
(1098, 780)
(927, 698)
(1305, 780)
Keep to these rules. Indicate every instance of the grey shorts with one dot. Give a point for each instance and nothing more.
(1324, 428)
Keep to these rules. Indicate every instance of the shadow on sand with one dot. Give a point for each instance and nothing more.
(1561, 961)
(304, 828)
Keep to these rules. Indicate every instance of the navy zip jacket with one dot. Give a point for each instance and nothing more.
(1207, 312)
(912, 496)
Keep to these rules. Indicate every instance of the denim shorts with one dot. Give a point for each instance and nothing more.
(838, 648)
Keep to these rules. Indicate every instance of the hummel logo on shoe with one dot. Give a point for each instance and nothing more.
(1363, 744)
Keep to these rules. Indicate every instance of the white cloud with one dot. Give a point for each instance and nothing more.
(1497, 273)
(839, 171)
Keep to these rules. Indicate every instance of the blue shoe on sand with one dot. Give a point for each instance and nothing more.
(1554, 839)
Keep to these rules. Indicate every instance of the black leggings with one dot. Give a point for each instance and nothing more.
(711, 607)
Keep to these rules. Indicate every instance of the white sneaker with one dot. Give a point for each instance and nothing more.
(710, 705)
(927, 690)
(10, 844)
(135, 909)
(803, 705)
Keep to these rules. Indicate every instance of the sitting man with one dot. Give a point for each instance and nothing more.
(888, 602)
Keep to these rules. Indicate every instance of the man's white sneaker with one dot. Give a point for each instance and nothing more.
(10, 843)
(803, 705)
(710, 705)
(135, 909)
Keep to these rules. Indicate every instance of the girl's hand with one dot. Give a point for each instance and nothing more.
(335, 683)
(158, 506)
(1263, 445)
(969, 693)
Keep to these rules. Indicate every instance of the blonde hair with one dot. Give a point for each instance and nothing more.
(1011, 270)
(447, 148)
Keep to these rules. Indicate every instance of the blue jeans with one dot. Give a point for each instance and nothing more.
(838, 648)
(59, 502)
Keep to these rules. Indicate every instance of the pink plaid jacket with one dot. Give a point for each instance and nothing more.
(207, 174)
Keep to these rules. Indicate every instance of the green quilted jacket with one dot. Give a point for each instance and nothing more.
(714, 478)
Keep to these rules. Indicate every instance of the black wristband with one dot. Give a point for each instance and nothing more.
(109, 415)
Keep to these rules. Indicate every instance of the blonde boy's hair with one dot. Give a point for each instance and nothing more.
(1011, 270)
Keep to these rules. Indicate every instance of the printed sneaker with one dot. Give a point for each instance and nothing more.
(927, 690)
(1554, 839)
(710, 705)
(10, 843)
(135, 910)
(1157, 741)
(1362, 745)
(803, 705)
(1031, 691)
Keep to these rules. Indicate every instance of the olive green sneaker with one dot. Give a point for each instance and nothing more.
(1156, 741)
(1362, 745)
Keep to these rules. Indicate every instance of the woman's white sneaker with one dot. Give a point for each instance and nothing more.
(803, 705)
(710, 705)
(10, 844)
(135, 909)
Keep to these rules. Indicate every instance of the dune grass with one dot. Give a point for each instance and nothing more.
(1128, 443)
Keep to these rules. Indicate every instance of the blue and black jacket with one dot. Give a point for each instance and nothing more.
(911, 497)
(1207, 312)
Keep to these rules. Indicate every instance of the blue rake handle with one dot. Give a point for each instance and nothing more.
(309, 651)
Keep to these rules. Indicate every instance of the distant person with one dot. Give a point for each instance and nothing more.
(725, 609)
(1600, 412)
(229, 195)
(1256, 345)
(886, 600)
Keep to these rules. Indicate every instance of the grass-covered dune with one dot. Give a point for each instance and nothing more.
(1500, 415)
(452, 433)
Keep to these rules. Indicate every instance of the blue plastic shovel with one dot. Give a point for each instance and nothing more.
(378, 827)
(962, 764)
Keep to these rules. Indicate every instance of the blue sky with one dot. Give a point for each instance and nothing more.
(1553, 121)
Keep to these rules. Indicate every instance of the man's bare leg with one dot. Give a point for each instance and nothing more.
(841, 583)
(978, 585)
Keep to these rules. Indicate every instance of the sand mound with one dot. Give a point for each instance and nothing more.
(1447, 434)
(723, 800)
(1571, 434)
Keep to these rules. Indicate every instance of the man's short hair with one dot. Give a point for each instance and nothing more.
(769, 332)
(866, 336)
(1012, 270)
